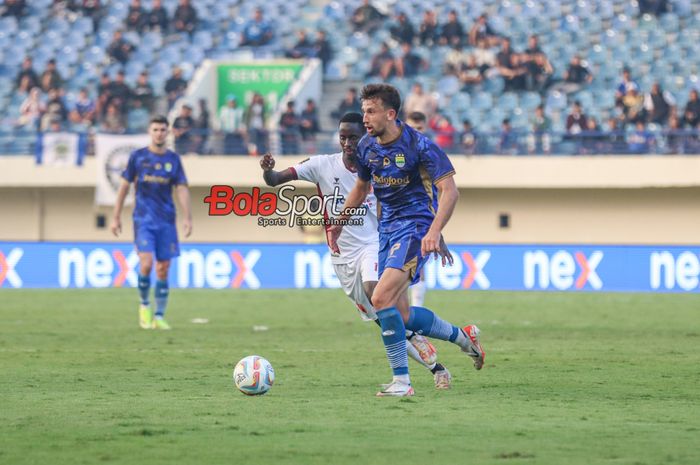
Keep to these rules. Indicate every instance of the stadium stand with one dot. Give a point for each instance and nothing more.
(561, 52)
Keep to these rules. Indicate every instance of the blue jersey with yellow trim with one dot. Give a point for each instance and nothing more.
(403, 174)
(154, 176)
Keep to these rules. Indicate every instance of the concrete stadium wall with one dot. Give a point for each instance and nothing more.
(549, 200)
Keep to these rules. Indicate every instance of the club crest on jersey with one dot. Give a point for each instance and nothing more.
(400, 160)
(387, 162)
(168, 167)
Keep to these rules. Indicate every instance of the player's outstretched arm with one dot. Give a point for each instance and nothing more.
(116, 226)
(447, 199)
(273, 178)
(357, 195)
(183, 196)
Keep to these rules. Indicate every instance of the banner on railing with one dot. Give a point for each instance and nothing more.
(112, 154)
(266, 266)
(60, 149)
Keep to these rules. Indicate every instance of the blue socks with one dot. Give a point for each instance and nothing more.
(161, 293)
(424, 321)
(394, 337)
(144, 288)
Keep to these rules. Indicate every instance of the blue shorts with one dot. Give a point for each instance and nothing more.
(160, 238)
(400, 249)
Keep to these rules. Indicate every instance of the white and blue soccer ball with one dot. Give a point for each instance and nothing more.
(253, 375)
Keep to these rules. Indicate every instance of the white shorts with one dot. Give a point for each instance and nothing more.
(351, 276)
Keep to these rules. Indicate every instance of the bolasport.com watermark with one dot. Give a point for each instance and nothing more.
(284, 207)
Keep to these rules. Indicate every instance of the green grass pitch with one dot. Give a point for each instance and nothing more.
(569, 379)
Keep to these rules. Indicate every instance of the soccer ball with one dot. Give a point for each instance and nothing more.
(253, 375)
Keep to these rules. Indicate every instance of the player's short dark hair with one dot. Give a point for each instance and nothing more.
(418, 116)
(158, 119)
(352, 117)
(388, 95)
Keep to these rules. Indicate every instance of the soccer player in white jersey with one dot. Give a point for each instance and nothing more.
(356, 266)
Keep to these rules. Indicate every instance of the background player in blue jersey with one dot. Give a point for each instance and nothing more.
(154, 170)
(401, 165)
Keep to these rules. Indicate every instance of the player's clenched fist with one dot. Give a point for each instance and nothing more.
(267, 162)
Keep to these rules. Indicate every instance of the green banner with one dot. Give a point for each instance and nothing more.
(242, 80)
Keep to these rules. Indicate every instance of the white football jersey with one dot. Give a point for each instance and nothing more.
(329, 172)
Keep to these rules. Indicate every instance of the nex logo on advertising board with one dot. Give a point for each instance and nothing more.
(466, 271)
(559, 269)
(100, 268)
(681, 271)
(7, 267)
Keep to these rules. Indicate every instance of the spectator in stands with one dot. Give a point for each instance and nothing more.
(55, 110)
(421, 102)
(576, 121)
(482, 30)
(452, 32)
(25, 86)
(575, 77)
(455, 59)
(659, 104)
(31, 109)
(633, 106)
(403, 30)
(366, 18)
(509, 67)
(443, 131)
(84, 110)
(539, 140)
(470, 74)
(136, 17)
(309, 125)
(675, 136)
(119, 92)
(653, 7)
(92, 9)
(640, 141)
(592, 140)
(322, 49)
(113, 122)
(28, 72)
(157, 19)
(257, 31)
(624, 87)
(119, 50)
(419, 122)
(143, 92)
(508, 139)
(302, 48)
(182, 130)
(138, 118)
(409, 64)
(103, 95)
(383, 63)
(256, 122)
(428, 32)
(691, 115)
(468, 138)
(289, 126)
(349, 104)
(50, 78)
(485, 58)
(615, 136)
(232, 125)
(185, 17)
(175, 86)
(539, 73)
(202, 126)
(14, 8)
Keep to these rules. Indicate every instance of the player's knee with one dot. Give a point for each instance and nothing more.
(381, 300)
(162, 269)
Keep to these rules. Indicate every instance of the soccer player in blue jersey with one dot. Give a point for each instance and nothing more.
(154, 170)
(401, 165)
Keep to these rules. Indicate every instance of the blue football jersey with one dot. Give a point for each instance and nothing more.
(403, 174)
(154, 176)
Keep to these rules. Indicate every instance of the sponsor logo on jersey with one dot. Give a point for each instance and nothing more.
(390, 180)
(386, 162)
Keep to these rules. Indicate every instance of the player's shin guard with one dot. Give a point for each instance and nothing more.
(425, 322)
(144, 288)
(161, 292)
(394, 337)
